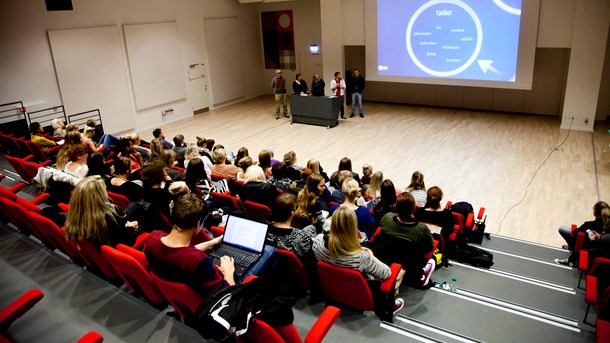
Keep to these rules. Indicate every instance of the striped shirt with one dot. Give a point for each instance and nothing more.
(363, 262)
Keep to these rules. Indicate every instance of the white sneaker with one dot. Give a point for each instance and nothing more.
(428, 269)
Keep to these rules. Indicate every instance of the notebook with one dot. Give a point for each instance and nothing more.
(244, 240)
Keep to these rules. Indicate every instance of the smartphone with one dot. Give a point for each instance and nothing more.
(591, 234)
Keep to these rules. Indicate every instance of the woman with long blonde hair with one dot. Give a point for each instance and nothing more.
(92, 217)
(374, 188)
(341, 247)
(351, 190)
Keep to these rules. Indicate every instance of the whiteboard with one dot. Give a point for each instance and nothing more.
(90, 67)
(155, 61)
(225, 59)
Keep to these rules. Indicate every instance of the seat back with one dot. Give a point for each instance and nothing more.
(15, 163)
(346, 286)
(458, 226)
(55, 235)
(93, 257)
(18, 307)
(18, 215)
(35, 150)
(182, 298)
(225, 200)
(119, 200)
(133, 274)
(299, 273)
(257, 211)
(136, 254)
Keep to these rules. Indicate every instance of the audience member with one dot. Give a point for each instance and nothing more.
(172, 257)
(97, 166)
(434, 214)
(256, 188)
(77, 164)
(417, 188)
(93, 218)
(36, 131)
(72, 138)
(121, 184)
(156, 149)
(595, 225)
(243, 164)
(156, 182)
(337, 194)
(308, 208)
(158, 133)
(374, 188)
(59, 130)
(386, 202)
(179, 145)
(341, 247)
(137, 146)
(282, 235)
(264, 161)
(220, 167)
(195, 175)
(241, 153)
(344, 164)
(192, 152)
(351, 191)
(316, 168)
(126, 149)
(88, 134)
(168, 157)
(203, 150)
(367, 171)
(406, 241)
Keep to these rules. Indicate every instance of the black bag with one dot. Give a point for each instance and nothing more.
(477, 257)
(477, 232)
(462, 208)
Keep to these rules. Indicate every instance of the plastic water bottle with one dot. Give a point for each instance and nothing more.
(453, 285)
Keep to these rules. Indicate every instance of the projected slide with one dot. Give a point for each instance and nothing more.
(459, 39)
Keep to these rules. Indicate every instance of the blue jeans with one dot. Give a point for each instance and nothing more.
(359, 96)
(268, 259)
(566, 233)
(107, 140)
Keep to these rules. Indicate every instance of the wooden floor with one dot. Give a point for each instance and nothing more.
(485, 158)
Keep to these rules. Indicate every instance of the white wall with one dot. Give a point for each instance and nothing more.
(589, 37)
(27, 67)
(306, 17)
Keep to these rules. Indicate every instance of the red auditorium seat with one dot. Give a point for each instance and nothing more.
(18, 308)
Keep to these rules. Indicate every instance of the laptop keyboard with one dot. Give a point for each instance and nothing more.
(240, 257)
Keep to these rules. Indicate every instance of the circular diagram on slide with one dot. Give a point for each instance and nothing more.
(444, 37)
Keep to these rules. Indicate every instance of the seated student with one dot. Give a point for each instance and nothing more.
(417, 188)
(156, 183)
(179, 145)
(168, 157)
(156, 149)
(98, 129)
(173, 258)
(72, 138)
(308, 207)
(316, 168)
(406, 241)
(598, 245)
(337, 194)
(433, 213)
(386, 202)
(285, 169)
(374, 188)
(195, 176)
(241, 153)
(351, 190)
(595, 225)
(192, 151)
(367, 172)
(127, 149)
(59, 130)
(77, 164)
(282, 235)
(297, 185)
(244, 163)
(121, 184)
(264, 161)
(344, 164)
(256, 188)
(136, 142)
(97, 166)
(221, 167)
(92, 217)
(36, 131)
(341, 247)
(158, 133)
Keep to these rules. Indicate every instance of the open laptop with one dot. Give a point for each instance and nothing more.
(244, 240)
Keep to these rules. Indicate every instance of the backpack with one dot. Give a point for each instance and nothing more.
(464, 209)
(229, 310)
(477, 257)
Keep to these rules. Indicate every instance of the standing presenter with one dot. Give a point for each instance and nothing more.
(357, 82)
(278, 83)
(337, 87)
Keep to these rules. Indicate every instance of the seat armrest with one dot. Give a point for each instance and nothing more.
(591, 290)
(46, 163)
(17, 187)
(249, 278)
(141, 241)
(40, 198)
(321, 327)
(388, 285)
(52, 150)
(583, 261)
(28, 157)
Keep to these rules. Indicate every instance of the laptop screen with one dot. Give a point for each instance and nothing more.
(245, 233)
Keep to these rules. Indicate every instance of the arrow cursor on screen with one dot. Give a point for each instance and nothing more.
(486, 65)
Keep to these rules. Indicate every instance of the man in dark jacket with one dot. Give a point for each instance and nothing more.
(357, 85)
